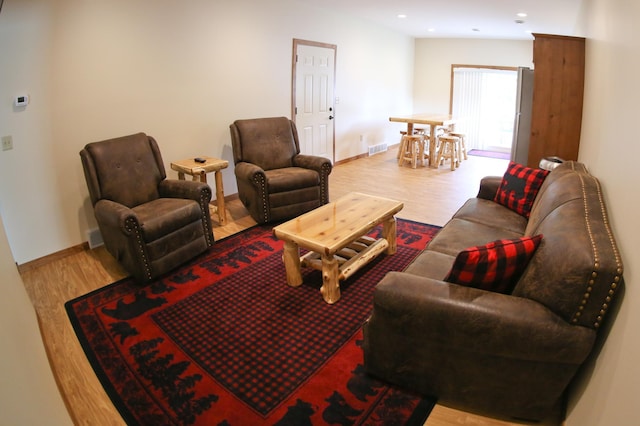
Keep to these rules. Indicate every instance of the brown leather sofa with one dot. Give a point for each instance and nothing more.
(275, 181)
(150, 224)
(504, 355)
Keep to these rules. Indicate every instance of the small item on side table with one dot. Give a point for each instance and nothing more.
(198, 167)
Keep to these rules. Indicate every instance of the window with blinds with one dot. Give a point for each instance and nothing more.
(484, 101)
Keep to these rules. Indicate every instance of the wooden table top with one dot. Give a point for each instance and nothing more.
(431, 119)
(190, 166)
(330, 227)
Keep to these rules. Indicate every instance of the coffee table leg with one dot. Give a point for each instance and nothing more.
(330, 284)
(291, 259)
(389, 234)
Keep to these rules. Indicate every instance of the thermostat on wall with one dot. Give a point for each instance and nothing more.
(21, 100)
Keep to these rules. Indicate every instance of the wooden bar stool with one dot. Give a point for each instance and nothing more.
(449, 149)
(403, 133)
(424, 156)
(423, 147)
(463, 146)
(410, 148)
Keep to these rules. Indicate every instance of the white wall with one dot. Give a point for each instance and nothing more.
(180, 71)
(434, 57)
(610, 149)
(28, 392)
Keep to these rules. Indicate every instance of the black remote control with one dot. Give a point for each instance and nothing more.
(200, 160)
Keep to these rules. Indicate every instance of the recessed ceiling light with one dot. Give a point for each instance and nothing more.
(402, 16)
(521, 15)
(431, 30)
(519, 21)
(475, 29)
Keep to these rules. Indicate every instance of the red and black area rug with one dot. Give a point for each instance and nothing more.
(225, 341)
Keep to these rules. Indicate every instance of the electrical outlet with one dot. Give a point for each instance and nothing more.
(7, 143)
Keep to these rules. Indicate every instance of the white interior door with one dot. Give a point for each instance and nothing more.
(313, 97)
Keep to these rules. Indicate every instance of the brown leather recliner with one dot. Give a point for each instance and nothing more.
(275, 181)
(150, 224)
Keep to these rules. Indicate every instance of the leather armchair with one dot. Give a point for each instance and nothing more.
(150, 224)
(275, 181)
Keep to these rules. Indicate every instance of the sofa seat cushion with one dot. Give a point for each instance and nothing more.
(495, 266)
(165, 215)
(287, 179)
(459, 234)
(431, 264)
(491, 213)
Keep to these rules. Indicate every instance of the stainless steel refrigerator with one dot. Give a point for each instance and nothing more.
(522, 122)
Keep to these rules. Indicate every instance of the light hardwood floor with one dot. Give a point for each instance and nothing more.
(429, 195)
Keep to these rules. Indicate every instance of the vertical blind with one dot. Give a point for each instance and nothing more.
(484, 101)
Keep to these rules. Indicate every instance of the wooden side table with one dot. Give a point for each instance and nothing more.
(199, 172)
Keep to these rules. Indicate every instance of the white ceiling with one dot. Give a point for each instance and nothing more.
(459, 18)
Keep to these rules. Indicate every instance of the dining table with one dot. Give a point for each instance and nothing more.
(431, 120)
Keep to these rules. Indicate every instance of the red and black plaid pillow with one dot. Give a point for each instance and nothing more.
(495, 266)
(519, 187)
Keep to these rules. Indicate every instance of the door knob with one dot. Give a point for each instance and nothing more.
(331, 117)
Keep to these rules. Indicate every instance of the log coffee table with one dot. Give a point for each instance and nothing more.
(335, 236)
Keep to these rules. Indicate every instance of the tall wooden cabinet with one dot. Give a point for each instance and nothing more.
(558, 87)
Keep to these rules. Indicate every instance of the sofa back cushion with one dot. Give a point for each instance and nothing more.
(577, 268)
(271, 143)
(126, 169)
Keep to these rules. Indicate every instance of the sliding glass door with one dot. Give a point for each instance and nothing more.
(484, 99)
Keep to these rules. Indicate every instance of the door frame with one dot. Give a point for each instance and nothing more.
(296, 43)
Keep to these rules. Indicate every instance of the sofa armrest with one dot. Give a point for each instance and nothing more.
(488, 187)
(317, 163)
(115, 216)
(321, 165)
(248, 172)
(476, 320)
(187, 189)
